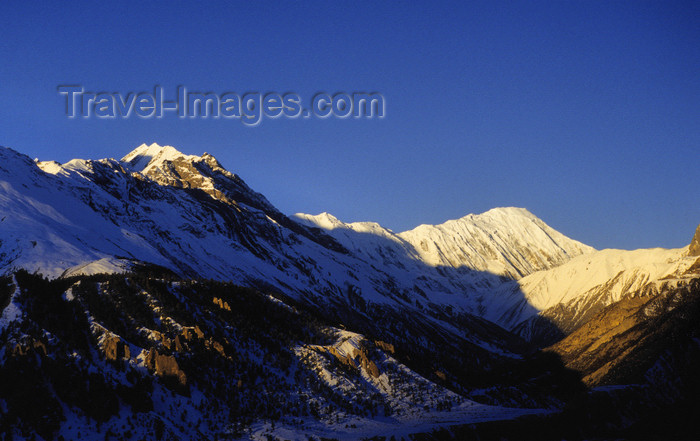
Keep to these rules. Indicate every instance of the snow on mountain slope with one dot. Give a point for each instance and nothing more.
(476, 255)
(190, 215)
(58, 217)
(167, 166)
(369, 240)
(560, 273)
(570, 294)
(505, 241)
(45, 227)
(511, 242)
(193, 217)
(435, 292)
(210, 360)
(145, 158)
(629, 269)
(108, 265)
(564, 283)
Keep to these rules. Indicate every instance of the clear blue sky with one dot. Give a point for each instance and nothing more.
(586, 113)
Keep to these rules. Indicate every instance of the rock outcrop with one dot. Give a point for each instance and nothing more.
(694, 249)
(367, 364)
(165, 366)
(386, 347)
(115, 348)
(192, 333)
(29, 345)
(221, 304)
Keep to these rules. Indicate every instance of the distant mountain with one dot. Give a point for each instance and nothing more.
(505, 241)
(511, 242)
(478, 255)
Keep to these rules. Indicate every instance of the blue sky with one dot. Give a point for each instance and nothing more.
(586, 113)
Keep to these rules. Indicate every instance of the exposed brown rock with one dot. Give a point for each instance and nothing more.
(386, 347)
(115, 348)
(164, 366)
(213, 344)
(342, 358)
(29, 345)
(39, 347)
(358, 359)
(190, 333)
(19, 350)
(179, 344)
(694, 268)
(221, 304)
(367, 364)
(372, 368)
(623, 337)
(167, 343)
(694, 249)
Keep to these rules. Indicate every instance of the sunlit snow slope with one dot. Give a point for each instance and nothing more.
(570, 294)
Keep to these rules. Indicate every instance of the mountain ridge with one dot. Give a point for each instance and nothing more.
(60, 217)
(476, 241)
(478, 263)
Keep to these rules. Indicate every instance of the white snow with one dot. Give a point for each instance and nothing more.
(630, 270)
(146, 157)
(505, 241)
(107, 265)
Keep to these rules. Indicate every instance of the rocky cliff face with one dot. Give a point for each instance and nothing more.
(623, 341)
(646, 341)
(694, 249)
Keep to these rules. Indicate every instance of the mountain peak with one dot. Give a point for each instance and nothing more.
(145, 157)
(323, 220)
(508, 211)
(508, 215)
(508, 241)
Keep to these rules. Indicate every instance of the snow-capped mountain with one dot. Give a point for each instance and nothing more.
(187, 213)
(509, 241)
(506, 241)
